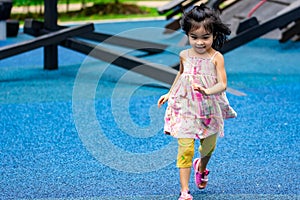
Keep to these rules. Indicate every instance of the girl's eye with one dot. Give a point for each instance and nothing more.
(206, 37)
(202, 37)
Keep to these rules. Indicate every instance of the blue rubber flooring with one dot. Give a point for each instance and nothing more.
(91, 130)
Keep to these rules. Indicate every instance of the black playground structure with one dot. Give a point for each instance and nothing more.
(12, 26)
(280, 14)
(49, 34)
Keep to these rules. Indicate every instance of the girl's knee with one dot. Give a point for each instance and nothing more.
(207, 151)
(208, 146)
(185, 152)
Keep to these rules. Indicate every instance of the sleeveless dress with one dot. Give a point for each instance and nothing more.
(189, 113)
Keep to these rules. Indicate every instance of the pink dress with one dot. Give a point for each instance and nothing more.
(190, 114)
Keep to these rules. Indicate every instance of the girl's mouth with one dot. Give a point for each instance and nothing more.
(200, 47)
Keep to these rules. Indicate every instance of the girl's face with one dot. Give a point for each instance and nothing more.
(200, 40)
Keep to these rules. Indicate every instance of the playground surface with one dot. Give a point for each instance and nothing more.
(91, 130)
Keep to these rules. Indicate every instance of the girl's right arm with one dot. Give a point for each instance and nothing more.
(164, 98)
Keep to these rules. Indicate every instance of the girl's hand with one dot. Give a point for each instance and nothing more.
(200, 89)
(162, 100)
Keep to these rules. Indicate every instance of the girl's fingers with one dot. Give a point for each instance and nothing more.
(161, 101)
(196, 87)
(158, 102)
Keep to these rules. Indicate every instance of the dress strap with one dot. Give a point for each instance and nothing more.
(213, 56)
(187, 53)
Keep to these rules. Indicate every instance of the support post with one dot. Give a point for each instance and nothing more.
(5, 10)
(50, 23)
(2, 30)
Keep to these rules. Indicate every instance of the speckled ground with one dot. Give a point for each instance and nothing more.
(82, 132)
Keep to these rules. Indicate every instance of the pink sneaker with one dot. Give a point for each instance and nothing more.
(185, 196)
(201, 179)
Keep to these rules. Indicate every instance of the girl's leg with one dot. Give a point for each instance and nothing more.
(184, 174)
(203, 163)
(184, 161)
(206, 149)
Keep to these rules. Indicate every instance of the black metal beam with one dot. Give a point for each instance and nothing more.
(291, 32)
(259, 30)
(152, 70)
(149, 47)
(44, 40)
(36, 28)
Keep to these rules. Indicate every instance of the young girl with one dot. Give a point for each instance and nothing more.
(197, 103)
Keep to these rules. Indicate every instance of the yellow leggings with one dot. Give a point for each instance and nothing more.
(186, 149)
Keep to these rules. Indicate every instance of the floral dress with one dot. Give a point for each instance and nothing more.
(189, 113)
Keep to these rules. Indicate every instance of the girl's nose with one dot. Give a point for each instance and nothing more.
(200, 42)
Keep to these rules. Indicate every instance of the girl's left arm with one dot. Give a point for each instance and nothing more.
(221, 76)
(221, 84)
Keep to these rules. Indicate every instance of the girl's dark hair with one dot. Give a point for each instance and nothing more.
(208, 18)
